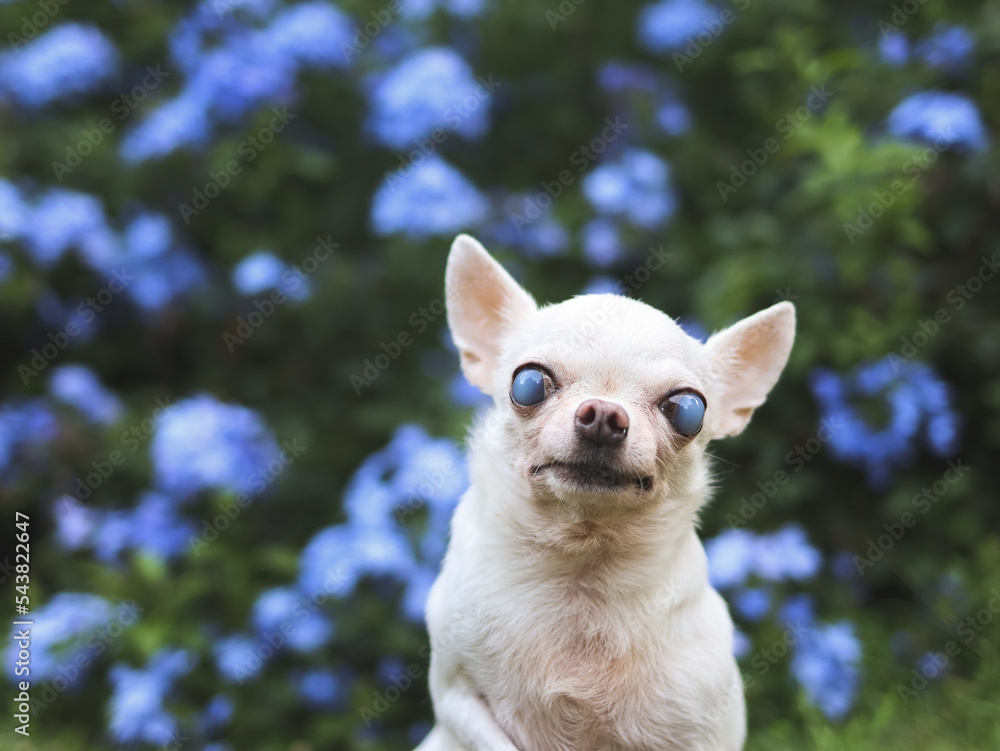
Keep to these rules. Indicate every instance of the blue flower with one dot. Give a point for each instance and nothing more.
(939, 116)
(80, 388)
(75, 523)
(59, 634)
(285, 611)
(114, 533)
(786, 554)
(798, 610)
(70, 59)
(731, 556)
(257, 272)
(753, 604)
(602, 244)
(826, 663)
(217, 713)
(203, 443)
(742, 644)
(917, 401)
(673, 117)
(236, 657)
(319, 688)
(65, 219)
(138, 696)
(636, 187)
(420, 9)
(153, 527)
(311, 34)
(182, 121)
(616, 76)
(669, 24)
(413, 472)
(247, 67)
(735, 554)
(948, 47)
(894, 48)
(26, 428)
(14, 212)
(430, 198)
(534, 235)
(157, 528)
(433, 88)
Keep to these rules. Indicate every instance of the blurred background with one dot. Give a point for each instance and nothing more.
(232, 422)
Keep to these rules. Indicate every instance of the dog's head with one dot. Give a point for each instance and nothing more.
(602, 399)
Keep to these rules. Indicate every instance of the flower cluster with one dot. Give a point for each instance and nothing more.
(942, 117)
(914, 404)
(668, 25)
(636, 187)
(826, 656)
(69, 60)
(153, 268)
(234, 63)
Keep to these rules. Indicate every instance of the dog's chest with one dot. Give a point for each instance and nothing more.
(587, 678)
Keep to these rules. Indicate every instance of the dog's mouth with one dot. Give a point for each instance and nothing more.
(594, 477)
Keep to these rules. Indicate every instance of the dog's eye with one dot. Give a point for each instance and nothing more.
(686, 412)
(528, 388)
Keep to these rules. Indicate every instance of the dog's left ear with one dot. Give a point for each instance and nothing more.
(483, 301)
(747, 359)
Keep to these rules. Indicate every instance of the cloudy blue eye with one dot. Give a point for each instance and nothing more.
(686, 412)
(528, 388)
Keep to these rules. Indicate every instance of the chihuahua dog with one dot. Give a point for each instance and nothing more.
(573, 610)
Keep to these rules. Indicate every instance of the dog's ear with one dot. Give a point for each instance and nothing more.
(747, 359)
(483, 301)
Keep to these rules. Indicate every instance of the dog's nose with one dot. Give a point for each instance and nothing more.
(602, 423)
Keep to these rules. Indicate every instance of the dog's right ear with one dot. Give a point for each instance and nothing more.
(483, 301)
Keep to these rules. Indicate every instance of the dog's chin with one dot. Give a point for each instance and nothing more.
(584, 479)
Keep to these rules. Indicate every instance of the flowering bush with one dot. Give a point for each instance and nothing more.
(233, 534)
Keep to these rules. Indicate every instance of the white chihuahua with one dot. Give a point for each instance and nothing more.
(573, 610)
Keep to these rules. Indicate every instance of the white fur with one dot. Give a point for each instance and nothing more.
(584, 621)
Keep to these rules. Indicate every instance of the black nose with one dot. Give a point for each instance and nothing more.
(601, 423)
